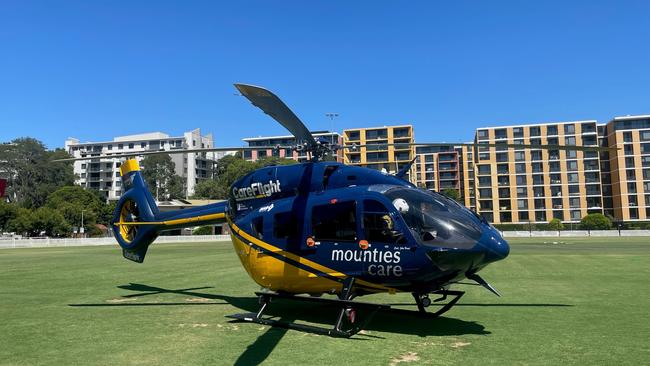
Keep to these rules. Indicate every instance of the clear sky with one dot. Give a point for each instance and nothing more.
(99, 69)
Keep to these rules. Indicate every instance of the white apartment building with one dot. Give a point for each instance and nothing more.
(103, 174)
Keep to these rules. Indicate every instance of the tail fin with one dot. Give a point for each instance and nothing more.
(137, 221)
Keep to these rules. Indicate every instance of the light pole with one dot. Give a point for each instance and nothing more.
(81, 229)
(331, 116)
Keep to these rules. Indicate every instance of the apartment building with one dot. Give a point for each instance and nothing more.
(288, 140)
(628, 181)
(445, 167)
(536, 185)
(103, 174)
(383, 156)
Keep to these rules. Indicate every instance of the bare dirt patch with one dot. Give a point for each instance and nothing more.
(408, 357)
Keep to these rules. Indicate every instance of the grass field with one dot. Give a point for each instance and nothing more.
(582, 301)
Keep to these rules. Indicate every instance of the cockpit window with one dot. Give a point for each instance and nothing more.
(378, 225)
(435, 220)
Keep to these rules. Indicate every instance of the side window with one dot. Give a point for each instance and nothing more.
(257, 227)
(284, 225)
(334, 222)
(378, 226)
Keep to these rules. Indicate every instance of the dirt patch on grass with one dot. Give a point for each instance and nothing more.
(118, 300)
(197, 299)
(460, 344)
(407, 357)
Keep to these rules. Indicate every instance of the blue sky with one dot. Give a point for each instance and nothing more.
(98, 69)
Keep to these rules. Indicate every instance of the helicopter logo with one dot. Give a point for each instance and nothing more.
(256, 190)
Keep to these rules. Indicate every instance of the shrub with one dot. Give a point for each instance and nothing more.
(203, 230)
(595, 221)
(555, 224)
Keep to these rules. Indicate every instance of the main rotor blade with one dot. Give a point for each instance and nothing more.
(178, 151)
(497, 144)
(270, 104)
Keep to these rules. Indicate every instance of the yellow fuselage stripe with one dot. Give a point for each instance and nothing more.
(188, 220)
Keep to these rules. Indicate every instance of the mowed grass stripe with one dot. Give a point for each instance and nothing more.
(578, 301)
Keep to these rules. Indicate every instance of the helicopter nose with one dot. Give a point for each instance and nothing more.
(495, 247)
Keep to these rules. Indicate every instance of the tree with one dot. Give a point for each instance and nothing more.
(209, 189)
(451, 193)
(159, 173)
(556, 224)
(31, 174)
(72, 200)
(22, 223)
(595, 221)
(7, 212)
(50, 222)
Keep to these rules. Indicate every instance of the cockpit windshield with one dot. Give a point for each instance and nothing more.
(435, 219)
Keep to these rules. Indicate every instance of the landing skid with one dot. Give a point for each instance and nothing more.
(346, 324)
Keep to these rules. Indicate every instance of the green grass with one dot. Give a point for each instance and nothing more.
(581, 301)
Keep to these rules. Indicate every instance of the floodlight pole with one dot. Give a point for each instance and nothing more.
(81, 229)
(331, 116)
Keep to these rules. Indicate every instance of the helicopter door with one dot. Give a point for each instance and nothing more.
(334, 235)
(384, 234)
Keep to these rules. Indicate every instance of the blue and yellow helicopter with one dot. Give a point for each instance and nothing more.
(322, 227)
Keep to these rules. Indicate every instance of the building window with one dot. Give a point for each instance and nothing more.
(334, 222)
(628, 150)
(520, 156)
(551, 130)
(485, 193)
(500, 133)
(522, 192)
(569, 129)
(484, 169)
(570, 140)
(518, 132)
(575, 215)
(482, 134)
(588, 127)
(634, 213)
(534, 131)
(631, 187)
(83, 166)
(521, 180)
(522, 204)
(645, 135)
(645, 148)
(627, 136)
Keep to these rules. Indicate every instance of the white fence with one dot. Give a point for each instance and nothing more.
(573, 233)
(78, 242)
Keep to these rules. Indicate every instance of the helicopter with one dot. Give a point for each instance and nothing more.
(323, 227)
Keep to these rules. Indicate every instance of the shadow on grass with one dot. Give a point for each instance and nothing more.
(389, 321)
